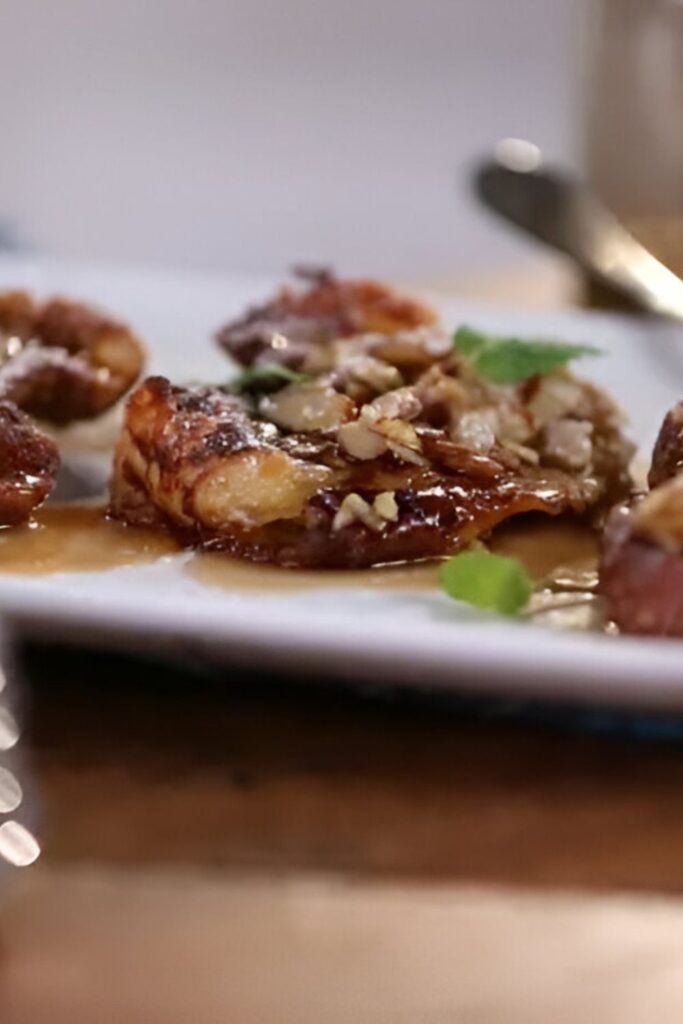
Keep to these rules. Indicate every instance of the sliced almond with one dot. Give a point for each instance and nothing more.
(307, 407)
(360, 441)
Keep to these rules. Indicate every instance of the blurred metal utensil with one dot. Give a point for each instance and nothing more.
(18, 844)
(562, 211)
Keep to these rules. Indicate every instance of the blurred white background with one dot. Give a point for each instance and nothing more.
(247, 134)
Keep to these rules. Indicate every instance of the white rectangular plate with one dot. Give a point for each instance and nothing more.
(420, 638)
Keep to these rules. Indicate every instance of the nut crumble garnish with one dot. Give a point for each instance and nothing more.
(360, 441)
(354, 509)
(385, 506)
(307, 407)
(477, 430)
(383, 425)
(523, 452)
(568, 443)
(371, 374)
(401, 404)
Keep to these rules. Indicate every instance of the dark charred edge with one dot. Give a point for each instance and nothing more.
(667, 456)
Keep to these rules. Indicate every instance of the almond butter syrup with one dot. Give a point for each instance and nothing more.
(77, 538)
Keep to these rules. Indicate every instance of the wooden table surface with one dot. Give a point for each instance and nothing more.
(229, 847)
(147, 765)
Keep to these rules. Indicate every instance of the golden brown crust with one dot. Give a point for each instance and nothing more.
(28, 465)
(63, 360)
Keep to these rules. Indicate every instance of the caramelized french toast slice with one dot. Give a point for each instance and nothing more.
(62, 360)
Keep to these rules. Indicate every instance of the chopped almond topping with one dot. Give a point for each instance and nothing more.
(568, 443)
(385, 506)
(354, 509)
(306, 407)
(360, 441)
(372, 375)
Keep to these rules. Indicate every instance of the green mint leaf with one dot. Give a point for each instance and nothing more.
(470, 342)
(266, 377)
(511, 360)
(489, 581)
